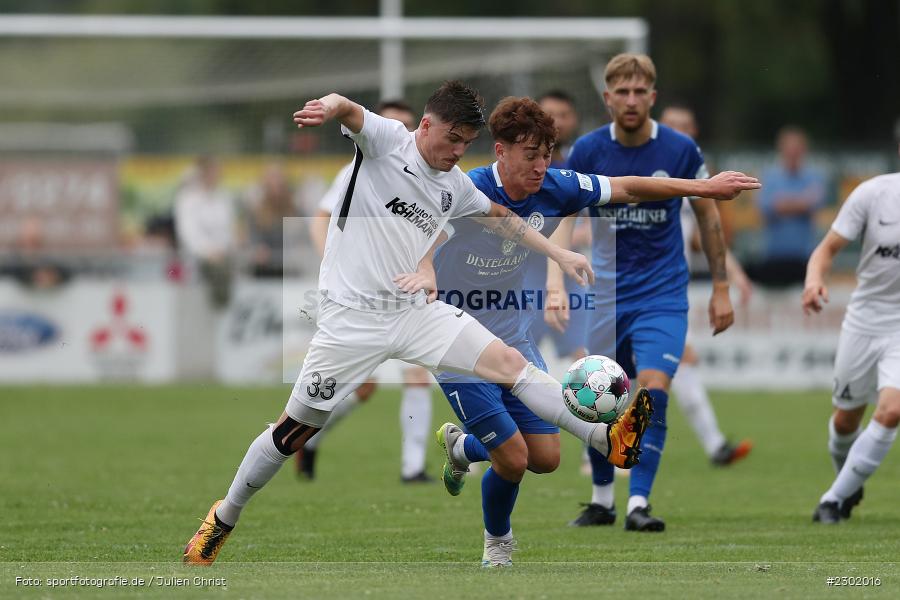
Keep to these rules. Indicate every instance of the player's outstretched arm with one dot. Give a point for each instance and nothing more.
(510, 226)
(724, 186)
(556, 307)
(721, 313)
(815, 293)
(333, 106)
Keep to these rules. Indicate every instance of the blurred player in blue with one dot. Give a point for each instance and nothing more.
(569, 337)
(484, 275)
(645, 328)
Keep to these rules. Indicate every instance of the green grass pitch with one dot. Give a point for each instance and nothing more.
(111, 481)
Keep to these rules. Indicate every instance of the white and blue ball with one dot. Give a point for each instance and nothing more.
(596, 389)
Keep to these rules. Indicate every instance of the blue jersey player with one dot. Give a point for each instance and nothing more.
(569, 336)
(645, 330)
(485, 275)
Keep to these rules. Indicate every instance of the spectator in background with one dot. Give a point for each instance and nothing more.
(267, 204)
(561, 106)
(159, 236)
(791, 195)
(204, 223)
(30, 264)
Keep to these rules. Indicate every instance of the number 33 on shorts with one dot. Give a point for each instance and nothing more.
(324, 389)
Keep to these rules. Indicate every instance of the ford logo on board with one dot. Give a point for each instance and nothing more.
(21, 331)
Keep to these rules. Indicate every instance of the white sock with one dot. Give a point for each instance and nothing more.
(260, 464)
(415, 423)
(505, 537)
(340, 410)
(458, 451)
(636, 502)
(839, 444)
(694, 402)
(543, 395)
(866, 454)
(603, 495)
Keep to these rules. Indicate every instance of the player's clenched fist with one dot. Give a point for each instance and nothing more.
(814, 295)
(314, 113)
(332, 106)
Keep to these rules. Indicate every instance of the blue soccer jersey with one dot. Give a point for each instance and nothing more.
(646, 264)
(484, 274)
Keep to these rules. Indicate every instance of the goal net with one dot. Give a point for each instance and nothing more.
(229, 84)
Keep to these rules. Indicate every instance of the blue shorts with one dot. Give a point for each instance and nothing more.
(575, 336)
(644, 338)
(490, 411)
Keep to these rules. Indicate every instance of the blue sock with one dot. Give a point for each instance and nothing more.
(602, 472)
(498, 497)
(475, 450)
(643, 473)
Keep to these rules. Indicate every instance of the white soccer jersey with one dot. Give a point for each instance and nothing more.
(391, 211)
(873, 211)
(330, 201)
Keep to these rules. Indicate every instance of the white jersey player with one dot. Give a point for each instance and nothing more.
(378, 302)
(867, 365)
(415, 403)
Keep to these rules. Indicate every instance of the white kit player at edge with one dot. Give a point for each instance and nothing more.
(415, 402)
(403, 189)
(867, 365)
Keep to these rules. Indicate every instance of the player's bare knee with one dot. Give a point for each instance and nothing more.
(513, 363)
(887, 412)
(512, 466)
(546, 462)
(847, 421)
(510, 459)
(500, 363)
(365, 391)
(689, 356)
(654, 380)
(416, 377)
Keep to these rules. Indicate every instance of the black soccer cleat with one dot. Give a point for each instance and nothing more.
(420, 477)
(828, 513)
(594, 514)
(730, 453)
(306, 463)
(640, 520)
(851, 501)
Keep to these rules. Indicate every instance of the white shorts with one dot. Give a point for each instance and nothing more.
(350, 344)
(864, 365)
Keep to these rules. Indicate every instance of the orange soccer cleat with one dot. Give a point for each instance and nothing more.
(625, 433)
(206, 543)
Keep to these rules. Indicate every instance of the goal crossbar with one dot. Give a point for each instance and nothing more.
(633, 30)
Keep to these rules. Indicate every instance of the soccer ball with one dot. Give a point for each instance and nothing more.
(595, 389)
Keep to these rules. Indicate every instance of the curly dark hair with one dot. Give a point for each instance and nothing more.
(457, 104)
(515, 120)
